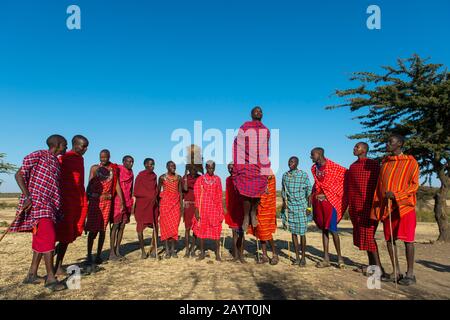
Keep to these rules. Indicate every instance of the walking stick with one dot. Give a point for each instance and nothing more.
(287, 223)
(6, 231)
(392, 242)
(257, 249)
(223, 243)
(9, 227)
(155, 234)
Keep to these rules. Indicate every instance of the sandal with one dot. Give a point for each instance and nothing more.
(341, 264)
(263, 260)
(30, 279)
(323, 264)
(274, 261)
(388, 277)
(407, 281)
(55, 286)
(302, 263)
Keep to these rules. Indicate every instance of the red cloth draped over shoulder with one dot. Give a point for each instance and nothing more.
(399, 174)
(208, 200)
(235, 205)
(146, 193)
(169, 207)
(267, 213)
(330, 180)
(74, 199)
(251, 159)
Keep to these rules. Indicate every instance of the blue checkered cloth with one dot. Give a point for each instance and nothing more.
(296, 189)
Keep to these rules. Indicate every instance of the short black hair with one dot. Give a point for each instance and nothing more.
(127, 157)
(295, 158)
(55, 140)
(254, 108)
(399, 137)
(77, 138)
(105, 151)
(366, 146)
(320, 150)
(169, 162)
(148, 160)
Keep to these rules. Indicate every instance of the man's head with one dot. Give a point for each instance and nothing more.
(231, 167)
(360, 149)
(128, 162)
(80, 144)
(210, 167)
(293, 163)
(317, 154)
(193, 170)
(105, 155)
(395, 144)
(171, 167)
(257, 113)
(57, 144)
(149, 164)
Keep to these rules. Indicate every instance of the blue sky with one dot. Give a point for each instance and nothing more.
(140, 69)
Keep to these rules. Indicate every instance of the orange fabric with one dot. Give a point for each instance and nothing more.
(267, 212)
(399, 174)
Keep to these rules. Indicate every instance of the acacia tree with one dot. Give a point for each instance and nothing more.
(411, 99)
(6, 167)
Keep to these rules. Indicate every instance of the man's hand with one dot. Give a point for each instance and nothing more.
(321, 197)
(197, 214)
(27, 205)
(283, 206)
(390, 195)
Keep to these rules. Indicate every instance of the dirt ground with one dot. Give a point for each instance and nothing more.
(188, 279)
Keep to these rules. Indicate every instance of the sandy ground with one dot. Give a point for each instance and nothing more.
(188, 279)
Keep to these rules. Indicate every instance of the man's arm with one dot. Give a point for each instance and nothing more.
(91, 176)
(185, 182)
(120, 195)
(180, 190)
(160, 182)
(23, 187)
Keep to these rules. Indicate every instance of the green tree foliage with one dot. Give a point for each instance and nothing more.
(5, 167)
(411, 99)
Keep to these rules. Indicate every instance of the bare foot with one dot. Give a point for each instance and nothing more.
(144, 255)
(60, 272)
(274, 261)
(263, 260)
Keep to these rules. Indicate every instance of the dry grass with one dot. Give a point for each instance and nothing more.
(188, 279)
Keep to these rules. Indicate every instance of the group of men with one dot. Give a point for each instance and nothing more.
(56, 207)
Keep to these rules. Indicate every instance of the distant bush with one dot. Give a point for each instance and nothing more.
(5, 205)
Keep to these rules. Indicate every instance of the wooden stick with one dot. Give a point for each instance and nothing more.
(289, 251)
(392, 242)
(223, 243)
(9, 227)
(6, 231)
(257, 250)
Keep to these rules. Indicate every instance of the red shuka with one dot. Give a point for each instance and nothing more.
(74, 199)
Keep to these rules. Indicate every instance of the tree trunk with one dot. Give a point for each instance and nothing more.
(440, 208)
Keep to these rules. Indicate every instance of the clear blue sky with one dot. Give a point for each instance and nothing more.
(140, 69)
